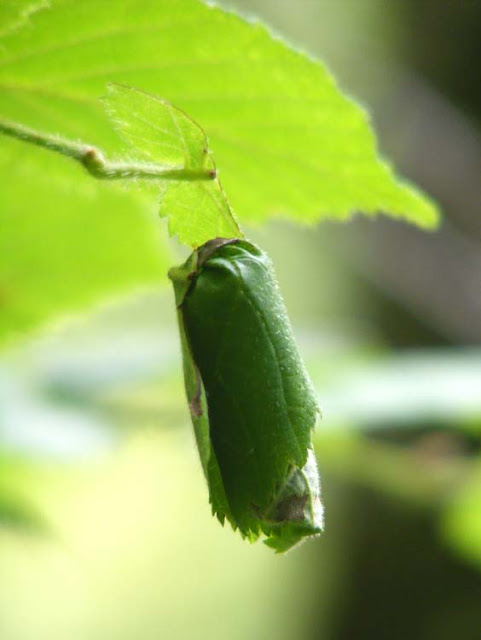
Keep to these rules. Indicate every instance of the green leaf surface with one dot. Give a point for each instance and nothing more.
(160, 133)
(156, 129)
(287, 142)
(66, 240)
(14, 13)
(66, 244)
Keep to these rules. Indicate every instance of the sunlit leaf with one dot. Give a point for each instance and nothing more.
(66, 244)
(286, 141)
(14, 13)
(197, 210)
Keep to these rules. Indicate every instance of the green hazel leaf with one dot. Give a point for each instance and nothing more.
(156, 129)
(197, 211)
(287, 140)
(65, 245)
(14, 13)
(251, 401)
(288, 143)
(158, 132)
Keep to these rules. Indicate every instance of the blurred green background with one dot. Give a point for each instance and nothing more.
(105, 527)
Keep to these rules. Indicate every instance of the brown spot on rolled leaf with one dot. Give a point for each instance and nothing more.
(195, 404)
(195, 407)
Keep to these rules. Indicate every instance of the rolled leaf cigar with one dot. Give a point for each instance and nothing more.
(252, 404)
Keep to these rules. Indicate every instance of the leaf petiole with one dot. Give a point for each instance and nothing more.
(94, 161)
